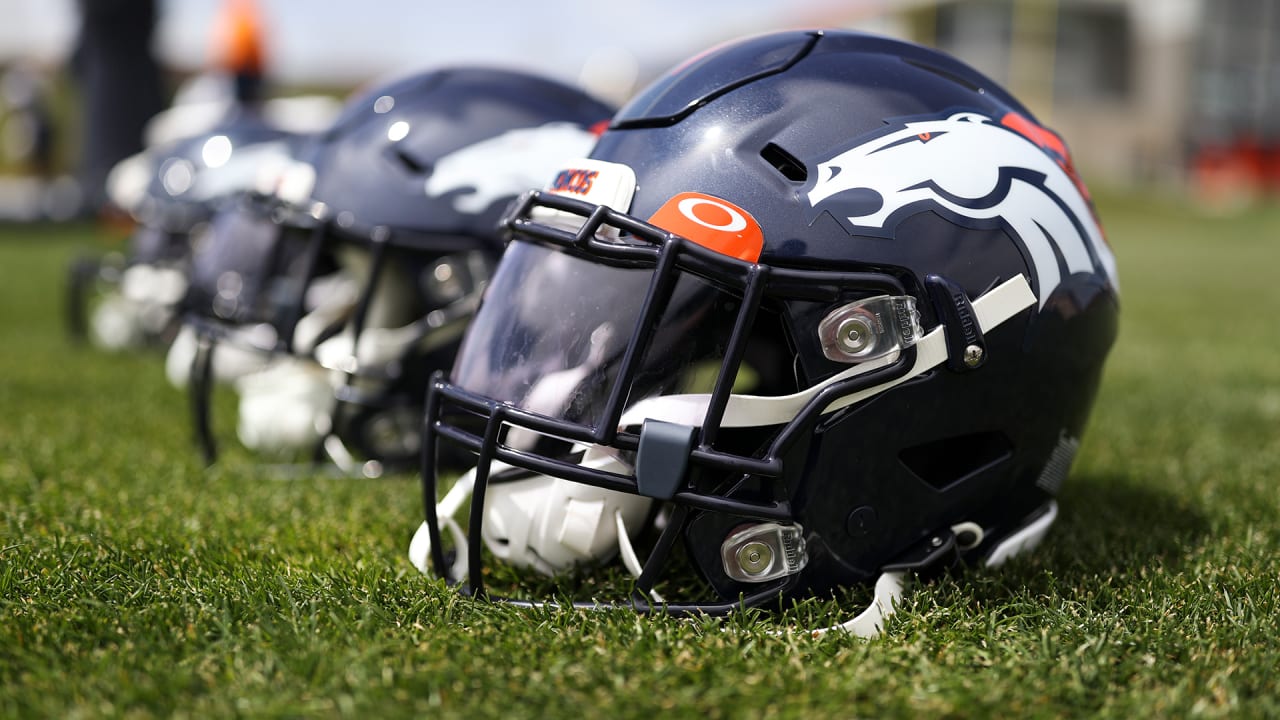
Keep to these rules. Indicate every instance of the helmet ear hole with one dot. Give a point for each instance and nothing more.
(943, 463)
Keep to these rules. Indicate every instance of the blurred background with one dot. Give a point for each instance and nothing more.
(1177, 94)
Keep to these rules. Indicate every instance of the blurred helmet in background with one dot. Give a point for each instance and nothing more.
(358, 274)
(171, 192)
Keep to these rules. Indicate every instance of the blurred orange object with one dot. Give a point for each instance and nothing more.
(238, 38)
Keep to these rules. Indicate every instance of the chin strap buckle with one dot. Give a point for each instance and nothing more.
(930, 557)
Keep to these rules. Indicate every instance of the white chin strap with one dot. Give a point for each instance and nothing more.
(1025, 539)
(891, 585)
(992, 309)
(541, 522)
(870, 622)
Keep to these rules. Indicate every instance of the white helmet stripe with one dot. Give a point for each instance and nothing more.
(992, 309)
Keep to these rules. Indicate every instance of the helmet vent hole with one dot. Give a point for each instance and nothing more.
(411, 163)
(785, 163)
(943, 463)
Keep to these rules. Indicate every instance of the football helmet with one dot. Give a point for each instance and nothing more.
(356, 277)
(171, 193)
(819, 309)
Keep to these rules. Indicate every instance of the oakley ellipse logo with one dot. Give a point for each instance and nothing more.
(713, 223)
(968, 166)
(710, 208)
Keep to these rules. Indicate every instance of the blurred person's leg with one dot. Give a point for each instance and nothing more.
(120, 86)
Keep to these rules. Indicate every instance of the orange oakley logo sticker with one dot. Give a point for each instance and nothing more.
(712, 223)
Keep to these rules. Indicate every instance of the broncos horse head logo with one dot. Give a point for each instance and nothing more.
(972, 166)
(506, 165)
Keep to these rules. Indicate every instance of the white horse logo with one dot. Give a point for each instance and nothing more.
(506, 165)
(976, 168)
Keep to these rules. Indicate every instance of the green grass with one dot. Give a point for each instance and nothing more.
(133, 583)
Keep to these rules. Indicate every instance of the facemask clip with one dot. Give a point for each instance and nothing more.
(663, 458)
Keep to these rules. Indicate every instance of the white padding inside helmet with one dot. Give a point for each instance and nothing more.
(541, 522)
(330, 299)
(551, 525)
(143, 283)
(377, 348)
(286, 406)
(233, 358)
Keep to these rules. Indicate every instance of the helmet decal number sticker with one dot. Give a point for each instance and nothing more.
(970, 166)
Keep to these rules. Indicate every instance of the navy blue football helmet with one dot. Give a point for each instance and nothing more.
(818, 309)
(171, 192)
(356, 276)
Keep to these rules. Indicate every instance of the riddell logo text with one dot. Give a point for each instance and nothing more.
(577, 182)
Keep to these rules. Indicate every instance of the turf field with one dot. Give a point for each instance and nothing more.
(134, 583)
